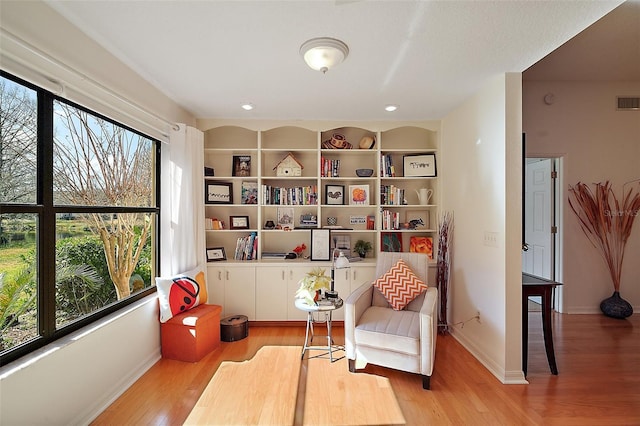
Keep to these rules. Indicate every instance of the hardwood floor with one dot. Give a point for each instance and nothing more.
(598, 383)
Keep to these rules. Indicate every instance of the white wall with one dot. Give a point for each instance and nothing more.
(481, 186)
(74, 379)
(597, 143)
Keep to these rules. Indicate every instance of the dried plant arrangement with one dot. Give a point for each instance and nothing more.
(607, 222)
(445, 238)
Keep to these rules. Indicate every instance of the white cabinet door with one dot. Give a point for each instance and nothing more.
(216, 277)
(295, 274)
(240, 292)
(271, 294)
(348, 279)
(362, 274)
(234, 289)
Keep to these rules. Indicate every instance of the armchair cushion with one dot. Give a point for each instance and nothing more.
(400, 285)
(389, 330)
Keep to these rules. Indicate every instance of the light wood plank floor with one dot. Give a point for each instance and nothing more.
(599, 382)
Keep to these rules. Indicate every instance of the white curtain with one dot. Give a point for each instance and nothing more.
(182, 236)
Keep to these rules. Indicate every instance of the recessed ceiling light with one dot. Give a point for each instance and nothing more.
(247, 107)
(391, 108)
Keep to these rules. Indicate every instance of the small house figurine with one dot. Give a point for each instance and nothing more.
(289, 166)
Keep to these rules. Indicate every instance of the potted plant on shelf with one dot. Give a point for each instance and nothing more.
(362, 247)
(311, 284)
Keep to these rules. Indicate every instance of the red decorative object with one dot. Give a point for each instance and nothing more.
(300, 249)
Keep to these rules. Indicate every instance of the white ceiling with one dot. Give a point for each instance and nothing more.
(425, 56)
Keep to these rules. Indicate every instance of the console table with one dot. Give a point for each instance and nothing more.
(536, 286)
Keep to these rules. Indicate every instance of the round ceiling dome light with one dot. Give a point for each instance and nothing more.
(391, 108)
(247, 107)
(324, 53)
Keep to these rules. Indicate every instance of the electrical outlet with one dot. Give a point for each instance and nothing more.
(490, 239)
(478, 317)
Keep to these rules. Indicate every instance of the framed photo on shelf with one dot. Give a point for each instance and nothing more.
(359, 195)
(334, 195)
(241, 165)
(218, 192)
(421, 245)
(391, 241)
(239, 222)
(423, 165)
(320, 244)
(285, 217)
(216, 253)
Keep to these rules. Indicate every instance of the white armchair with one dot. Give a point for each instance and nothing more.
(404, 340)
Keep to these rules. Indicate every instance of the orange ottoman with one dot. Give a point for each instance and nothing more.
(191, 335)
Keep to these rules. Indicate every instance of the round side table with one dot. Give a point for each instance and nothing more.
(326, 306)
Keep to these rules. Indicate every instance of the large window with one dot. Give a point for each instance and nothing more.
(78, 214)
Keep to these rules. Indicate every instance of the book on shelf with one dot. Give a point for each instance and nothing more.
(246, 247)
(213, 223)
(329, 168)
(387, 169)
(391, 195)
(296, 196)
(249, 193)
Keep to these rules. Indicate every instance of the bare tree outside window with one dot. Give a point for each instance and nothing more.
(18, 130)
(97, 163)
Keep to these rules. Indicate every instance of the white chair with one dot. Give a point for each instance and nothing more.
(404, 340)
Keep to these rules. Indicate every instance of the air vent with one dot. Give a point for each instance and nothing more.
(628, 103)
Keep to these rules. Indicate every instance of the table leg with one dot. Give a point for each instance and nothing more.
(306, 334)
(525, 331)
(546, 330)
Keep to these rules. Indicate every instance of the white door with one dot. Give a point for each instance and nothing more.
(538, 260)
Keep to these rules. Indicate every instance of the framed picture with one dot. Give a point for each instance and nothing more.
(218, 192)
(391, 241)
(215, 254)
(249, 193)
(359, 195)
(334, 195)
(239, 222)
(320, 244)
(421, 245)
(420, 165)
(285, 217)
(241, 165)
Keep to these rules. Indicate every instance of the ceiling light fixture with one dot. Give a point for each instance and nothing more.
(247, 107)
(324, 53)
(391, 108)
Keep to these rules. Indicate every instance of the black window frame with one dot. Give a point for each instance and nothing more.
(46, 213)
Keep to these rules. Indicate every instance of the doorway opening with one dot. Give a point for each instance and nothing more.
(543, 192)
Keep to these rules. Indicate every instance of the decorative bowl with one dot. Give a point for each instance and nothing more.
(364, 172)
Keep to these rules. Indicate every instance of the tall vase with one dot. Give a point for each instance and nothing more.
(616, 307)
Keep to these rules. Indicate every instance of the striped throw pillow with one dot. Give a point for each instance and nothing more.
(400, 285)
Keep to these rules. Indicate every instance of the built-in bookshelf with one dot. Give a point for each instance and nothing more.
(272, 186)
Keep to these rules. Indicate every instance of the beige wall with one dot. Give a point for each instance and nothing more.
(596, 143)
(480, 184)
